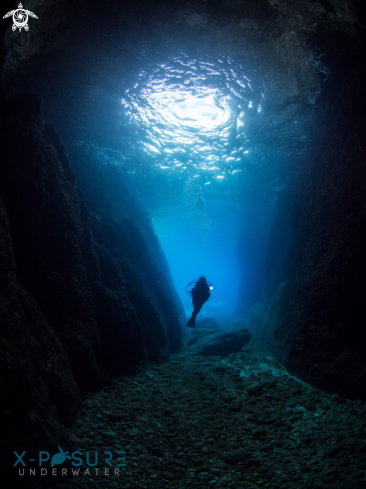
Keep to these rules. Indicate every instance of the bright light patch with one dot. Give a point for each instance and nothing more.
(200, 109)
(190, 113)
(152, 148)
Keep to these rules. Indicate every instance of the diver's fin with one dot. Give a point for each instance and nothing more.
(189, 323)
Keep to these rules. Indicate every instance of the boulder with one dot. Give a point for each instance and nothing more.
(220, 344)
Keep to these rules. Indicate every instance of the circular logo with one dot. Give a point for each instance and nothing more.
(20, 18)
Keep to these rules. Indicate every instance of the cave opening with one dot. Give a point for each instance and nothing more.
(189, 120)
(205, 147)
(144, 144)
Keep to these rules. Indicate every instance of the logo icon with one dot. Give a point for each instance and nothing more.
(20, 18)
(59, 458)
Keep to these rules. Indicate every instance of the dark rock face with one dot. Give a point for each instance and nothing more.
(130, 254)
(96, 307)
(111, 303)
(281, 242)
(49, 232)
(220, 344)
(315, 322)
(135, 282)
(37, 389)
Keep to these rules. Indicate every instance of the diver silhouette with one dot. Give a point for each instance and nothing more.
(200, 294)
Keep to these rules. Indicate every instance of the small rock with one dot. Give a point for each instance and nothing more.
(310, 407)
(279, 443)
(74, 439)
(273, 419)
(307, 440)
(198, 462)
(265, 448)
(109, 434)
(272, 397)
(328, 479)
(350, 442)
(219, 464)
(255, 389)
(259, 433)
(254, 419)
(85, 442)
(252, 462)
(157, 451)
(236, 456)
(270, 383)
(116, 416)
(202, 469)
(339, 400)
(335, 450)
(297, 392)
(362, 447)
(293, 419)
(296, 478)
(234, 408)
(133, 432)
(169, 476)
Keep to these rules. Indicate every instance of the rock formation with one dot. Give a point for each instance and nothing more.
(315, 322)
(74, 310)
(218, 343)
(38, 394)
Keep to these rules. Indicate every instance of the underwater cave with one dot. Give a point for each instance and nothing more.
(144, 145)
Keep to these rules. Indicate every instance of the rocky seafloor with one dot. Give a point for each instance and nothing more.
(235, 422)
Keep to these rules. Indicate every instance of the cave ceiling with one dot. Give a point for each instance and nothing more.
(81, 55)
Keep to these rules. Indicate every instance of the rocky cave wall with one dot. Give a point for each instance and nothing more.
(84, 297)
(38, 394)
(128, 249)
(315, 321)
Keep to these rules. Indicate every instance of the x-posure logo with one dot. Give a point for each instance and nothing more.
(111, 461)
(20, 18)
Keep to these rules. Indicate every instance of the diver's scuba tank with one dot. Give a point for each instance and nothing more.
(191, 284)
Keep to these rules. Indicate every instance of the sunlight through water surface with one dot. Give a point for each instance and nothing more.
(193, 113)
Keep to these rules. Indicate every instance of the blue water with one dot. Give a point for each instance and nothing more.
(200, 144)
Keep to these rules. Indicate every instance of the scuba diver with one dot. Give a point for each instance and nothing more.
(200, 294)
